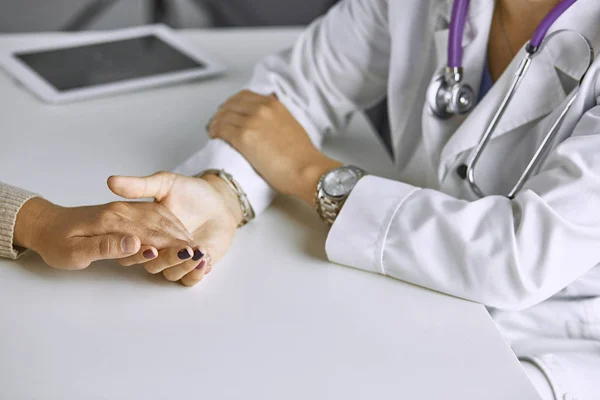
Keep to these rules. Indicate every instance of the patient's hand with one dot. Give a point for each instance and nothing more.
(206, 206)
(73, 237)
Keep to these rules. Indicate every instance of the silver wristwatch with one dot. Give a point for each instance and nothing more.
(333, 189)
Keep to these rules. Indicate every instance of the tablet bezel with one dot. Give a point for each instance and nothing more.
(46, 92)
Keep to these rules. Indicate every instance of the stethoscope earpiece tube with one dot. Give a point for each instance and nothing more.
(548, 21)
(458, 21)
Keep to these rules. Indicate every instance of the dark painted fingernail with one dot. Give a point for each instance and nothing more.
(184, 254)
(200, 265)
(197, 255)
(149, 254)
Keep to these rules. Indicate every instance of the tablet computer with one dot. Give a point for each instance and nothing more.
(117, 61)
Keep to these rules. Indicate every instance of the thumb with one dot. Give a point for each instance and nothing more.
(109, 246)
(155, 186)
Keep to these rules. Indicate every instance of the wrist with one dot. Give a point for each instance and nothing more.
(32, 219)
(310, 176)
(230, 198)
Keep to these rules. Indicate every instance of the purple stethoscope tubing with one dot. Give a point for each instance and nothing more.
(458, 20)
(553, 15)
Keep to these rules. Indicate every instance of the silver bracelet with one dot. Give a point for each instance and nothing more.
(247, 210)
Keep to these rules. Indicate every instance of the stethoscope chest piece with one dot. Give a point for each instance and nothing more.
(448, 96)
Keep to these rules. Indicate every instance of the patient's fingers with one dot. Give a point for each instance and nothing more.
(145, 254)
(169, 214)
(168, 258)
(154, 216)
(198, 261)
(194, 276)
(169, 223)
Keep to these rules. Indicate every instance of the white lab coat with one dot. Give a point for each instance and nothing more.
(426, 227)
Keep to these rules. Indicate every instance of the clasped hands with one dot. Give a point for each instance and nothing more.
(192, 221)
(187, 228)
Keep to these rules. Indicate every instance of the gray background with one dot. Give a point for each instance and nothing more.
(52, 15)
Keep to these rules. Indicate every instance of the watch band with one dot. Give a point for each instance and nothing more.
(247, 210)
(327, 207)
(327, 210)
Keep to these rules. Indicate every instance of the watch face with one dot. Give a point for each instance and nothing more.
(339, 182)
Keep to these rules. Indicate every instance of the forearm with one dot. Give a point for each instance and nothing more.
(323, 79)
(12, 200)
(31, 221)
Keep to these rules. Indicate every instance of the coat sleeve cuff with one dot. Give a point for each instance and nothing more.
(11, 201)
(357, 237)
(217, 154)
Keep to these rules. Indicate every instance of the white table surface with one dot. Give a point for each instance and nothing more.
(273, 321)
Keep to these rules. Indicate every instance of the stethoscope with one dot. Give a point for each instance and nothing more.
(450, 96)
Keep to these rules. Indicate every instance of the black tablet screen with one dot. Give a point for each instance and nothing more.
(109, 62)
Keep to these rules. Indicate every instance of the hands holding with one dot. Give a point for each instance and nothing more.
(72, 238)
(207, 208)
(189, 226)
(192, 221)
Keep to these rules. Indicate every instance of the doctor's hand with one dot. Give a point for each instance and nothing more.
(72, 238)
(269, 137)
(206, 206)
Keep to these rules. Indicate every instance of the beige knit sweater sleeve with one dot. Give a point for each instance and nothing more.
(11, 201)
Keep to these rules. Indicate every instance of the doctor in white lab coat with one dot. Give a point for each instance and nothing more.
(534, 260)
